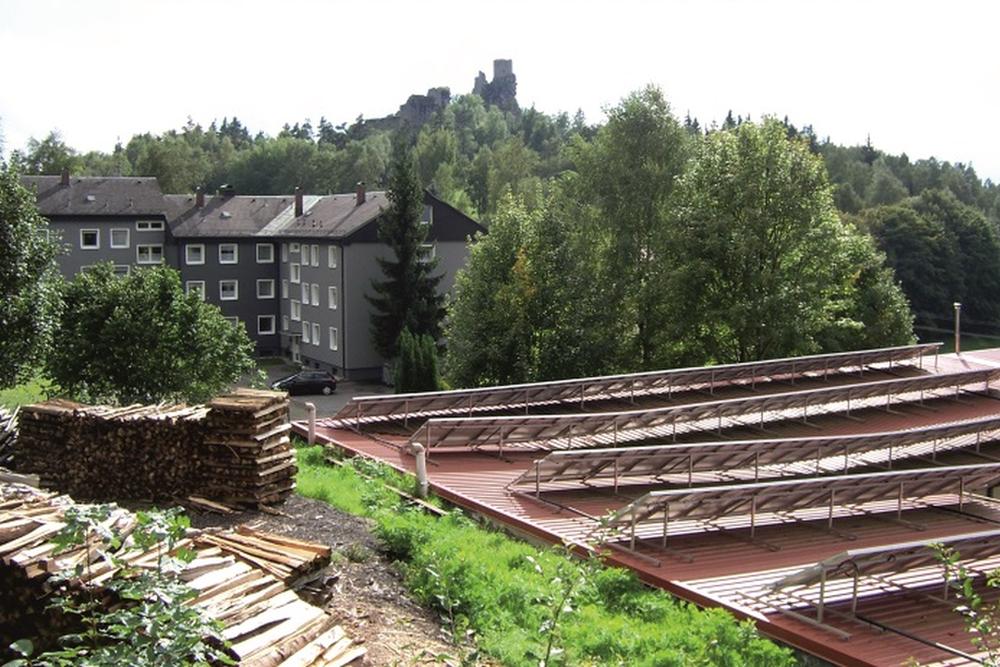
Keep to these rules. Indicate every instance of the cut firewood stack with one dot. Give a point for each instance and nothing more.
(8, 433)
(243, 580)
(233, 450)
(247, 456)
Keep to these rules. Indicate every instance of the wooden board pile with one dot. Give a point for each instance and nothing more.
(8, 433)
(138, 451)
(247, 456)
(235, 449)
(242, 579)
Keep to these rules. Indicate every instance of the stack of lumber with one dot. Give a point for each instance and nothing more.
(238, 579)
(101, 452)
(235, 450)
(8, 433)
(247, 457)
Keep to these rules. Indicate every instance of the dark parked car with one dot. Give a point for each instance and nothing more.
(307, 382)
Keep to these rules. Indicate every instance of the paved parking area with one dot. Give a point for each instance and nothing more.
(326, 406)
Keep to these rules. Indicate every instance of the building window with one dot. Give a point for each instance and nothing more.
(229, 253)
(284, 252)
(119, 238)
(334, 338)
(331, 297)
(195, 287)
(90, 239)
(315, 294)
(284, 288)
(315, 332)
(305, 293)
(149, 254)
(295, 248)
(265, 253)
(296, 311)
(122, 270)
(426, 252)
(265, 288)
(232, 319)
(194, 253)
(294, 273)
(229, 290)
(305, 332)
(265, 325)
(315, 255)
(331, 256)
(149, 226)
(284, 322)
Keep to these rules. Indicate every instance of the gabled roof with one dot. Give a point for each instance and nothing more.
(97, 195)
(334, 216)
(244, 215)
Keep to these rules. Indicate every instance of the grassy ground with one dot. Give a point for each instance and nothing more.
(23, 394)
(522, 605)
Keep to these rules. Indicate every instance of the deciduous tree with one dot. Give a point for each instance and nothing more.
(140, 338)
(29, 281)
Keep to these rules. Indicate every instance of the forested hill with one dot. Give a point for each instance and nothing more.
(937, 221)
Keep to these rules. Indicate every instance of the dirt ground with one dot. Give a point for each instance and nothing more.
(367, 595)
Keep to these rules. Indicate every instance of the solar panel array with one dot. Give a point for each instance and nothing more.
(367, 409)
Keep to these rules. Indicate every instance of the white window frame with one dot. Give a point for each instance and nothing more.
(284, 288)
(122, 274)
(429, 256)
(266, 331)
(305, 294)
(236, 253)
(148, 246)
(314, 291)
(315, 255)
(316, 334)
(97, 239)
(334, 338)
(236, 290)
(195, 285)
(295, 310)
(232, 319)
(149, 226)
(284, 252)
(331, 257)
(284, 322)
(331, 297)
(305, 331)
(111, 237)
(270, 255)
(187, 253)
(295, 273)
(265, 282)
(295, 248)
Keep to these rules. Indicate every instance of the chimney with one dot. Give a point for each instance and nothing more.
(199, 198)
(298, 202)
(359, 198)
(227, 190)
(64, 178)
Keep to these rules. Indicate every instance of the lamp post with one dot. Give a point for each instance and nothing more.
(958, 329)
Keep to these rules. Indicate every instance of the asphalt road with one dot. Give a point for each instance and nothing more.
(326, 406)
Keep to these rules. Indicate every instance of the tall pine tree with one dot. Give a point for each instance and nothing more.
(408, 297)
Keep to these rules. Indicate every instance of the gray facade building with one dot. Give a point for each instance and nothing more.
(293, 269)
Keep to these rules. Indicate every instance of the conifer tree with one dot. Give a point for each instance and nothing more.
(408, 297)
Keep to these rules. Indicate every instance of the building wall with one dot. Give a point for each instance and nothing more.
(315, 280)
(247, 271)
(75, 257)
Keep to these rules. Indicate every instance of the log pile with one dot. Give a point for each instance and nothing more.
(8, 433)
(247, 456)
(234, 450)
(240, 580)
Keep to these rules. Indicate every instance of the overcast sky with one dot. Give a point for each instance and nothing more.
(919, 77)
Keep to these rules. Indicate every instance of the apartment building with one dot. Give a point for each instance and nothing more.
(294, 270)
